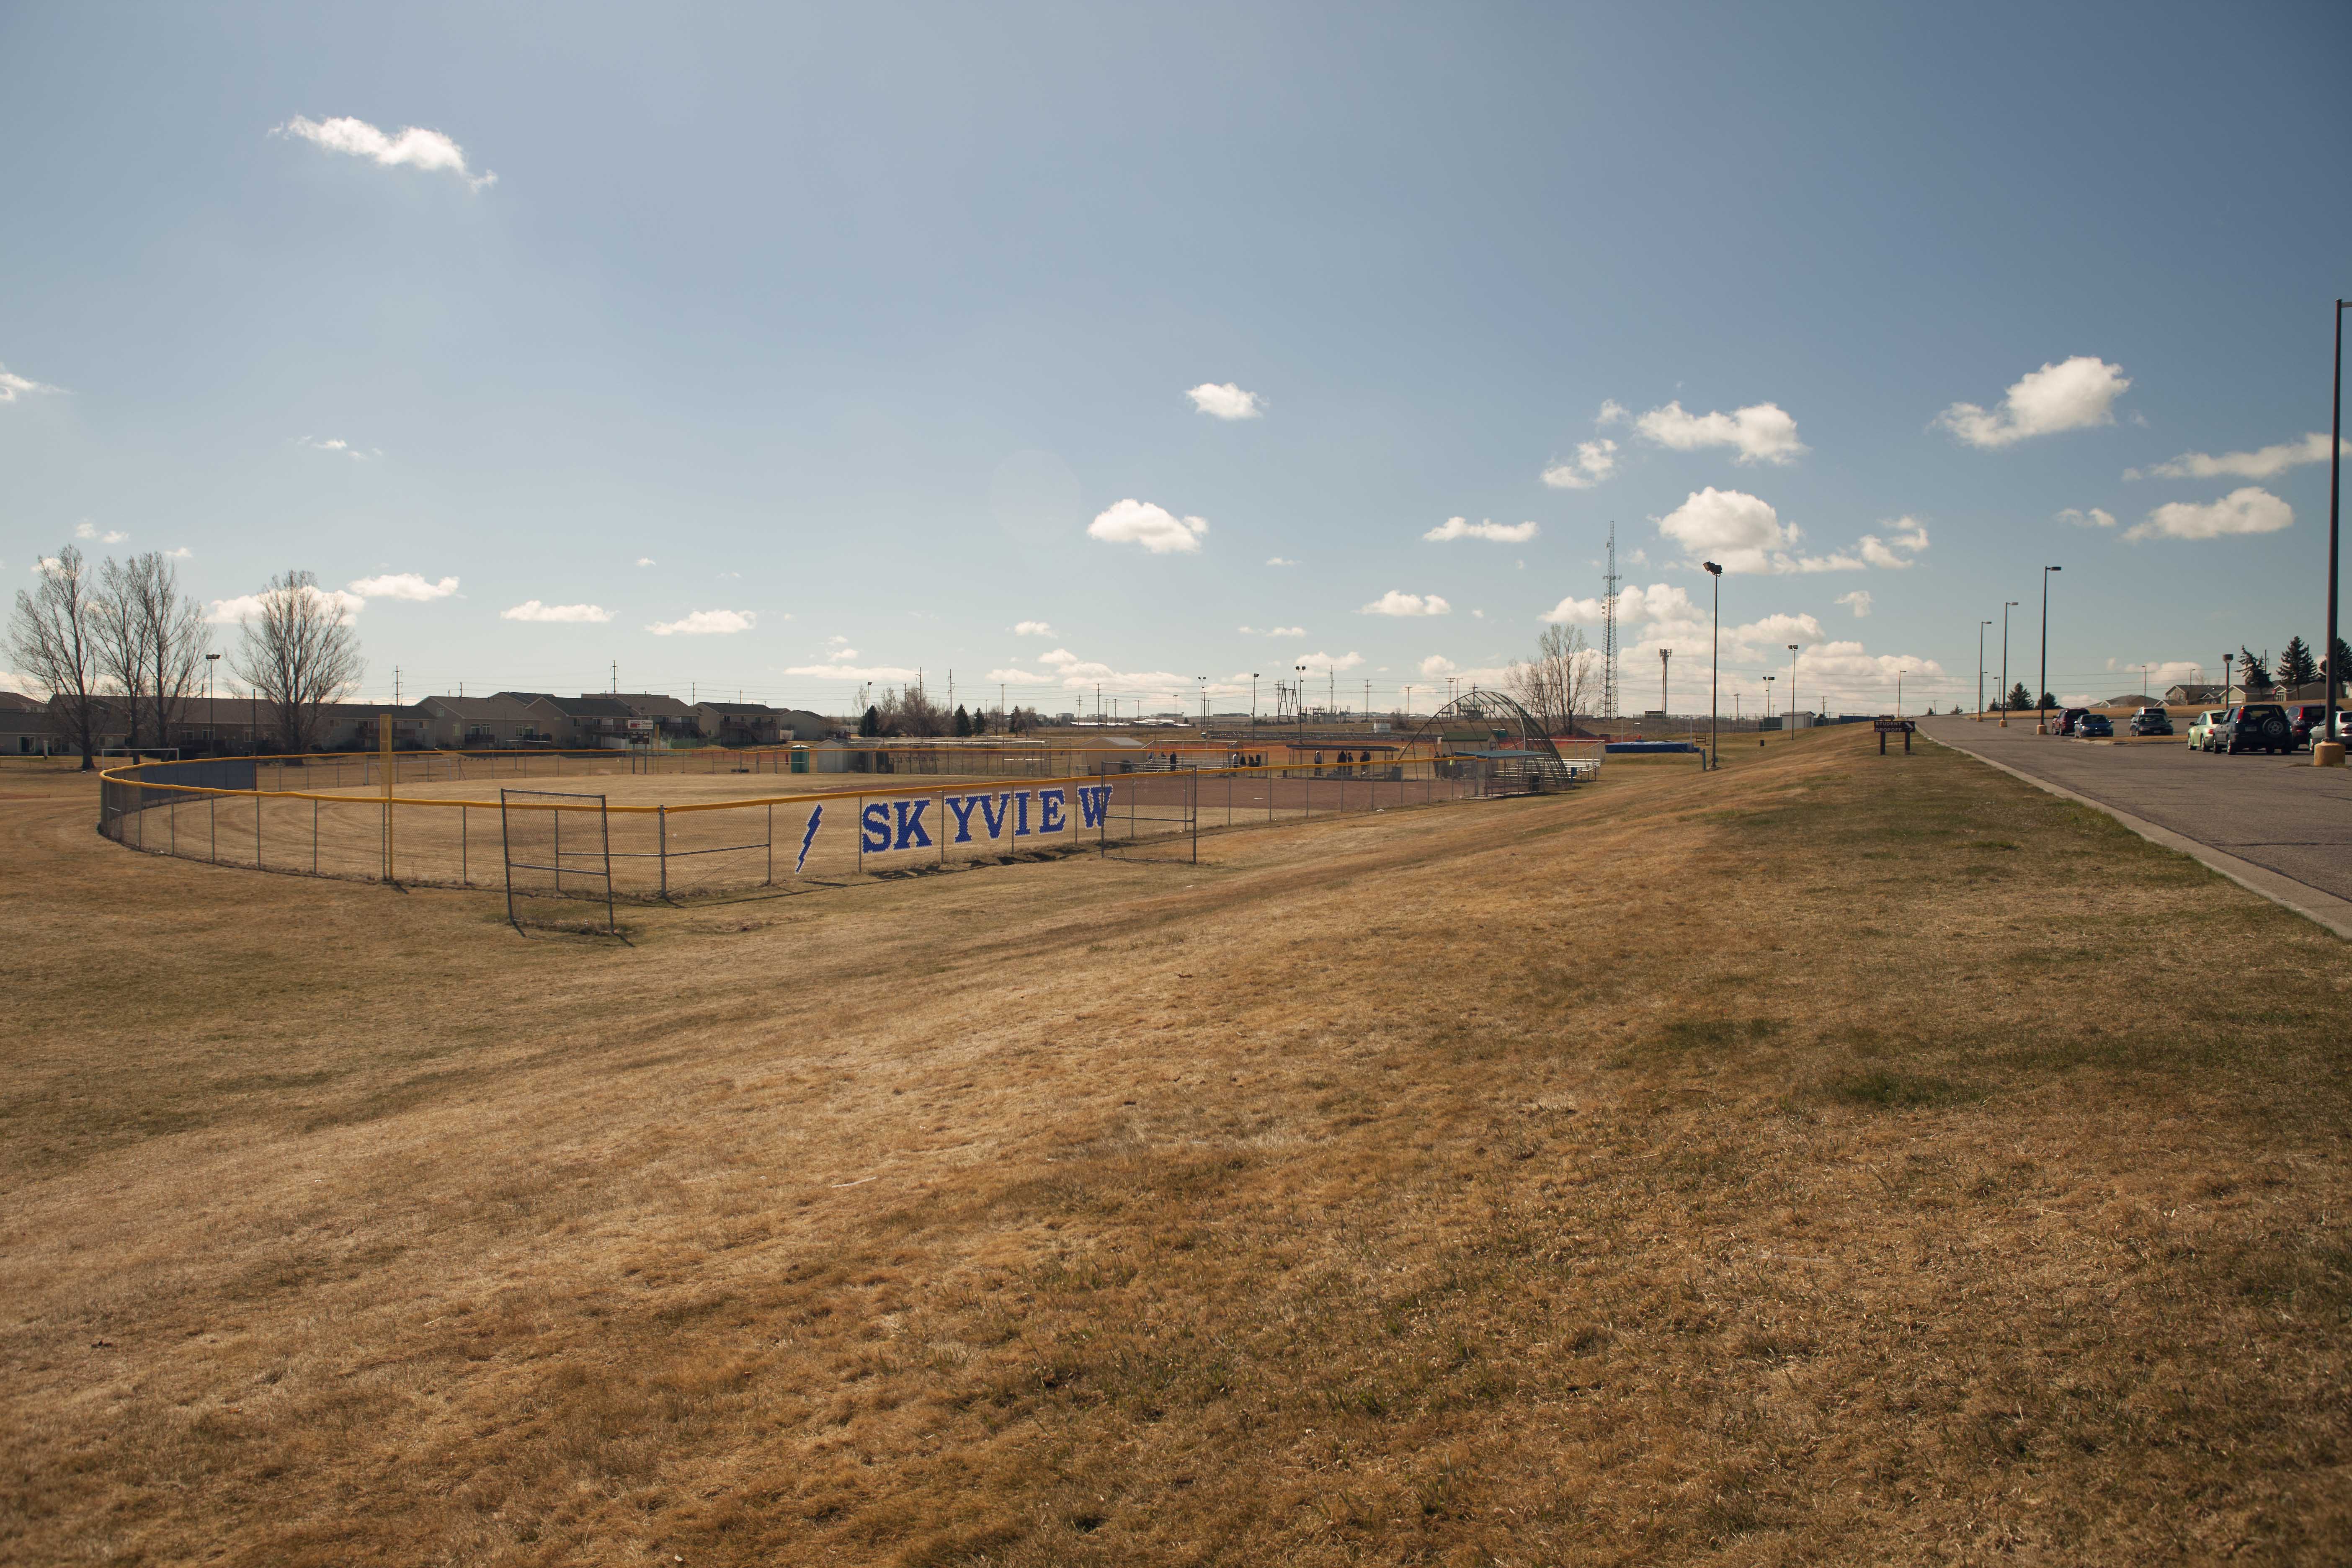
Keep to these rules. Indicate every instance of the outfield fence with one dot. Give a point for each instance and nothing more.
(349, 818)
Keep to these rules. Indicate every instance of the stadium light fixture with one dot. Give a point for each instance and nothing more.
(2334, 474)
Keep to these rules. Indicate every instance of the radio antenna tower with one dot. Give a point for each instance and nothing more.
(1609, 631)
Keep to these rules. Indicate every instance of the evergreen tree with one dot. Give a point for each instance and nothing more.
(962, 720)
(2296, 665)
(2049, 701)
(870, 724)
(2343, 661)
(2253, 670)
(979, 720)
(2019, 698)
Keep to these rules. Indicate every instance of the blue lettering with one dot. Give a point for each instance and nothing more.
(910, 826)
(961, 804)
(1050, 811)
(1020, 814)
(1093, 804)
(991, 811)
(873, 828)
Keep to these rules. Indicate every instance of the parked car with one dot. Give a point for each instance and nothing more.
(2202, 729)
(2152, 721)
(2067, 717)
(2309, 720)
(2257, 727)
(2093, 727)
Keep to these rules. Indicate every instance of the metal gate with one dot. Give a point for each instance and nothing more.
(548, 837)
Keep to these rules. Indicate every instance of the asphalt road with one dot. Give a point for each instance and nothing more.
(2281, 813)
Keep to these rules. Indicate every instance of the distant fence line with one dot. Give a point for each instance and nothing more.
(237, 811)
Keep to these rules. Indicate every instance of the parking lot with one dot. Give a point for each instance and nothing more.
(2279, 812)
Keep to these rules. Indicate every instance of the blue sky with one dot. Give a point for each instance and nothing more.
(791, 349)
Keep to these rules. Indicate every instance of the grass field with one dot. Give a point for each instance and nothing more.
(1836, 1159)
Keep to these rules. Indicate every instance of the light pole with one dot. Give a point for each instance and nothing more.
(1981, 636)
(1793, 686)
(2041, 707)
(2007, 606)
(1203, 681)
(1714, 654)
(1252, 702)
(1665, 657)
(1301, 690)
(210, 659)
(1768, 707)
(2335, 757)
(1898, 693)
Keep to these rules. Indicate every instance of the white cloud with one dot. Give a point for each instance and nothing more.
(405, 586)
(1285, 631)
(2097, 517)
(1897, 551)
(2251, 509)
(2070, 395)
(14, 386)
(1077, 674)
(1760, 433)
(411, 145)
(863, 674)
(1160, 532)
(1394, 603)
(1858, 601)
(2255, 465)
(1438, 667)
(1278, 560)
(706, 623)
(1032, 629)
(89, 531)
(1594, 461)
(182, 553)
(562, 615)
(646, 561)
(246, 606)
(1574, 611)
(1319, 663)
(1223, 400)
(336, 443)
(1500, 533)
(841, 655)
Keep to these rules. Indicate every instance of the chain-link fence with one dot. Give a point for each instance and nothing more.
(668, 837)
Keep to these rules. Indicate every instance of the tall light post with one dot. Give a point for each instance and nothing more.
(1203, 682)
(1793, 686)
(2007, 606)
(1714, 654)
(1898, 693)
(1768, 708)
(1981, 636)
(2041, 706)
(210, 659)
(1301, 692)
(1252, 702)
(2334, 758)
(1665, 657)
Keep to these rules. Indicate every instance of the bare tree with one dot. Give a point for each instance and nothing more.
(172, 630)
(909, 710)
(122, 641)
(299, 653)
(54, 637)
(1557, 684)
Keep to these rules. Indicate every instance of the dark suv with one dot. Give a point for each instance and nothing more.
(2067, 719)
(2152, 721)
(2310, 722)
(2257, 727)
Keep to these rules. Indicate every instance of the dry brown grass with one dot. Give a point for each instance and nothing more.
(1836, 1160)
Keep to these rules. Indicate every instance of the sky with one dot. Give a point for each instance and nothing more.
(1055, 349)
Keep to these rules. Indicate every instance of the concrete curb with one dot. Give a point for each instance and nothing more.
(2321, 909)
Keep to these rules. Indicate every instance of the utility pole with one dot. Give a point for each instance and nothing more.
(2335, 472)
(1609, 631)
(1664, 656)
(395, 685)
(1302, 703)
(1252, 702)
(1205, 700)
(1793, 686)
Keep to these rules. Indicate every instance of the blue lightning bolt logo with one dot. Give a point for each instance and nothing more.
(808, 838)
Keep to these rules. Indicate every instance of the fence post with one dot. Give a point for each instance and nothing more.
(314, 838)
(661, 825)
(465, 876)
(1193, 797)
(771, 841)
(212, 825)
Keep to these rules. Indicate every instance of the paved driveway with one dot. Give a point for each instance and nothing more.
(2284, 815)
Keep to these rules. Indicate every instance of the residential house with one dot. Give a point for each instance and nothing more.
(2193, 694)
(589, 721)
(480, 723)
(672, 720)
(738, 723)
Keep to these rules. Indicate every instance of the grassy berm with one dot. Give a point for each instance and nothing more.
(1839, 1159)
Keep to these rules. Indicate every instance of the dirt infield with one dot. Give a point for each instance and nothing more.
(1794, 1163)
